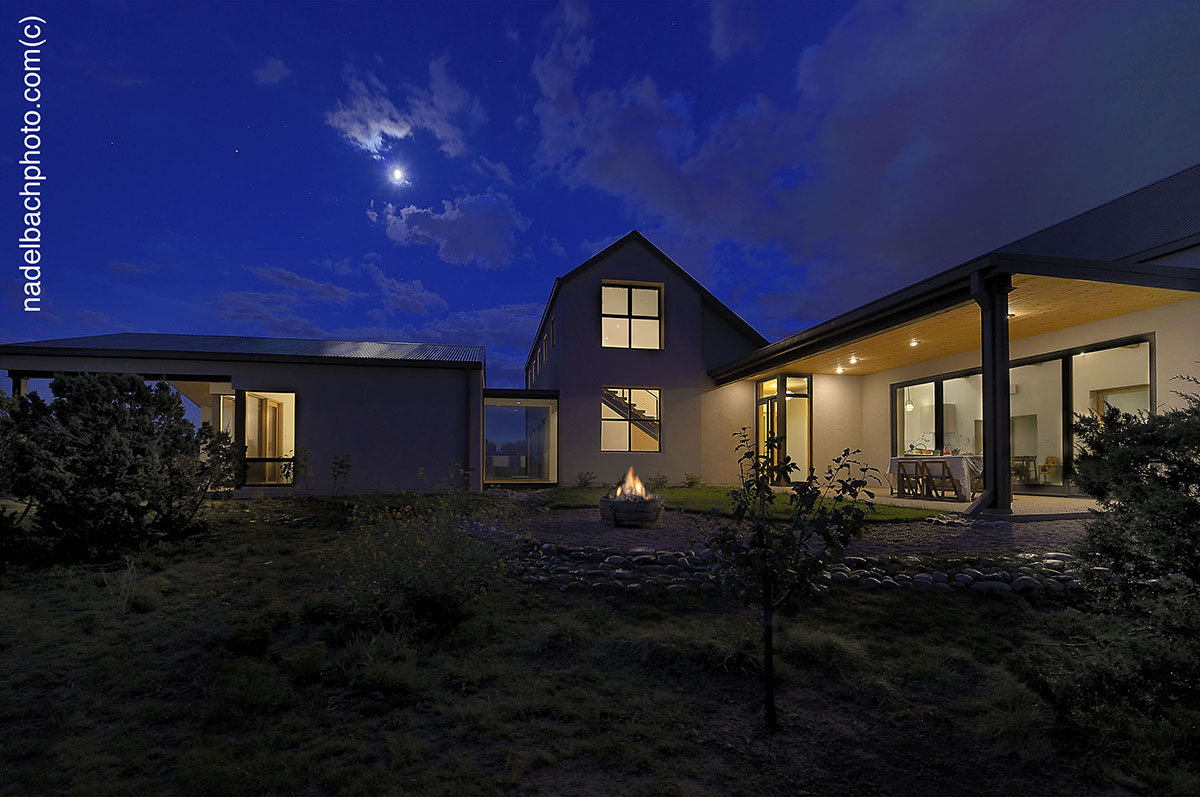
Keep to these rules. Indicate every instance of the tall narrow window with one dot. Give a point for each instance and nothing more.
(269, 435)
(629, 419)
(631, 317)
(784, 412)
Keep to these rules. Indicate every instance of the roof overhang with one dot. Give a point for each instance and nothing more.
(939, 315)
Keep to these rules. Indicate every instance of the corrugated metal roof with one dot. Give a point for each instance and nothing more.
(269, 347)
(1159, 214)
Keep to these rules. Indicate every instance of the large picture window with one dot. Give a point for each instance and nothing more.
(629, 419)
(269, 436)
(631, 317)
(944, 414)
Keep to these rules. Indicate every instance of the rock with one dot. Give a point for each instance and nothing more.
(705, 556)
(1054, 564)
(964, 578)
(1022, 583)
(676, 588)
(1057, 555)
(854, 561)
(888, 583)
(870, 582)
(640, 550)
(941, 585)
(622, 574)
(633, 586)
(1055, 586)
(620, 561)
(643, 560)
(924, 578)
(939, 577)
(992, 586)
(840, 576)
(924, 585)
(708, 586)
(595, 557)
(973, 573)
(667, 559)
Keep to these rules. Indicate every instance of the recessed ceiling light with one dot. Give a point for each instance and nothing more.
(912, 343)
(1012, 315)
(853, 360)
(839, 369)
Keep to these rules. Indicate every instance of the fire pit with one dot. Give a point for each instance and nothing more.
(629, 505)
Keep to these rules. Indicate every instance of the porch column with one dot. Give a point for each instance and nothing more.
(20, 383)
(991, 294)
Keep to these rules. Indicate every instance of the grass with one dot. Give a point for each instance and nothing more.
(236, 671)
(712, 498)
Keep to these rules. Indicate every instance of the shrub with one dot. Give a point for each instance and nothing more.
(585, 478)
(1145, 473)
(109, 464)
(417, 568)
(691, 480)
(656, 482)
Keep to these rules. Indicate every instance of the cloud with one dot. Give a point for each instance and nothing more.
(369, 120)
(274, 312)
(919, 135)
(733, 27)
(497, 168)
(407, 297)
(96, 320)
(272, 71)
(320, 291)
(477, 228)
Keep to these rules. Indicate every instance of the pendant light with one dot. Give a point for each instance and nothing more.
(908, 405)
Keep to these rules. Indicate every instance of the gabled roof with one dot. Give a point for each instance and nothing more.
(229, 347)
(632, 237)
(1144, 221)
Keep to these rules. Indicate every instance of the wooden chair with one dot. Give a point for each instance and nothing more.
(1024, 469)
(938, 479)
(908, 478)
(1051, 470)
(976, 484)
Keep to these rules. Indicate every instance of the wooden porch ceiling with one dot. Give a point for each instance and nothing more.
(1038, 304)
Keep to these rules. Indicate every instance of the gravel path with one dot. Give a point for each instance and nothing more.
(681, 531)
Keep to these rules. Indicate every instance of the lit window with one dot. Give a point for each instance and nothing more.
(631, 317)
(270, 437)
(629, 419)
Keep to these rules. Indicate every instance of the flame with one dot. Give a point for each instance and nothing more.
(631, 487)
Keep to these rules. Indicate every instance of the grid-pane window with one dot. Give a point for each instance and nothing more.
(631, 317)
(629, 419)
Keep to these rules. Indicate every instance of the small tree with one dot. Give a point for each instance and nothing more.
(1144, 471)
(109, 463)
(776, 567)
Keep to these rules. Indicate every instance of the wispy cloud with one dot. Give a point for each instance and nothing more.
(125, 267)
(406, 296)
(369, 120)
(733, 27)
(274, 312)
(320, 291)
(272, 71)
(476, 228)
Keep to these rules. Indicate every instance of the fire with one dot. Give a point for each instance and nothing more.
(631, 487)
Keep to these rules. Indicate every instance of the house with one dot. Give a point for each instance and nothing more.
(305, 402)
(635, 363)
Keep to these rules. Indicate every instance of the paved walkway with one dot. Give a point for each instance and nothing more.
(681, 531)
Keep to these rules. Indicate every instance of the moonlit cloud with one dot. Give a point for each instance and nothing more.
(272, 71)
(406, 296)
(477, 228)
(369, 120)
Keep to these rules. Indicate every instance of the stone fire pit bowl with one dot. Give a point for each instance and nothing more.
(631, 512)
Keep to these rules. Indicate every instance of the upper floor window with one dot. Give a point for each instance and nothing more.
(631, 317)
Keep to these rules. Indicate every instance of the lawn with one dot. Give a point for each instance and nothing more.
(227, 664)
(713, 498)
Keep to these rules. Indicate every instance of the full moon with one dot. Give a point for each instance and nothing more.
(397, 175)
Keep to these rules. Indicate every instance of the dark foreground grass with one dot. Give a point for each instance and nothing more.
(713, 498)
(225, 665)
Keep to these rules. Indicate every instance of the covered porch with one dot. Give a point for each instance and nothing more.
(989, 363)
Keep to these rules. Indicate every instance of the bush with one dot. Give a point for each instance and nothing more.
(417, 568)
(109, 464)
(1145, 473)
(585, 478)
(656, 482)
(691, 480)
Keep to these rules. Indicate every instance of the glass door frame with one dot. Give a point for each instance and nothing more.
(777, 419)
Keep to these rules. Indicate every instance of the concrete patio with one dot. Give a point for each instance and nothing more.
(1024, 507)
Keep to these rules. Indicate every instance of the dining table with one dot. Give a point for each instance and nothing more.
(962, 467)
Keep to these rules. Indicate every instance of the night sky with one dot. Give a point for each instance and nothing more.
(230, 168)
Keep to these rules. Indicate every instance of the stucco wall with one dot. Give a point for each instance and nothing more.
(401, 426)
(724, 411)
(837, 402)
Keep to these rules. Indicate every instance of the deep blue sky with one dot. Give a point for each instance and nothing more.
(224, 168)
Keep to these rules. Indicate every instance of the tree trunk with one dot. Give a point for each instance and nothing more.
(772, 721)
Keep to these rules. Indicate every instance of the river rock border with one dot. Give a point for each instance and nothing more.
(646, 569)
